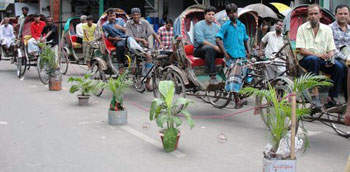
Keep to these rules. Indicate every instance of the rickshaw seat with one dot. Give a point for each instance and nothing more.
(110, 46)
(196, 61)
(74, 42)
(26, 38)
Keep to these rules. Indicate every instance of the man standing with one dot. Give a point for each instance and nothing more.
(341, 35)
(316, 46)
(115, 32)
(7, 35)
(273, 42)
(204, 42)
(166, 34)
(232, 40)
(140, 30)
(36, 28)
(50, 34)
(21, 19)
(79, 29)
(89, 31)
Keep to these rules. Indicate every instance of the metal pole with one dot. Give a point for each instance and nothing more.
(294, 107)
(101, 7)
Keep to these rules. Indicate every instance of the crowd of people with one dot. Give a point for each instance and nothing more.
(320, 46)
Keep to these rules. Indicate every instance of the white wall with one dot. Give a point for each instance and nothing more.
(43, 9)
(33, 8)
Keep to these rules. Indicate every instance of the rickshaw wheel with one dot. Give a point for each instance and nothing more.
(220, 98)
(156, 78)
(97, 74)
(138, 84)
(21, 66)
(64, 62)
(340, 129)
(179, 84)
(42, 71)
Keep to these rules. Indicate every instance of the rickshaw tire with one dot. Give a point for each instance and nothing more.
(41, 77)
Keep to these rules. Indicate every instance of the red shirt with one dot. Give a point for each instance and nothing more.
(36, 29)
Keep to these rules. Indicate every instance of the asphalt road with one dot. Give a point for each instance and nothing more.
(43, 131)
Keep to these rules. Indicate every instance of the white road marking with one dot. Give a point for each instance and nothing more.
(142, 136)
(3, 123)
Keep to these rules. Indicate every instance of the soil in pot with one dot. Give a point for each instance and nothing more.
(55, 82)
(83, 100)
(170, 139)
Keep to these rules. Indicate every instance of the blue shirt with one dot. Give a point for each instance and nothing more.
(109, 29)
(233, 38)
(204, 32)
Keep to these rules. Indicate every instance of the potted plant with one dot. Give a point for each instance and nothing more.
(277, 152)
(49, 63)
(86, 87)
(117, 113)
(164, 110)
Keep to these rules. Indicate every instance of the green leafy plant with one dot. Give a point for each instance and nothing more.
(85, 85)
(47, 58)
(118, 87)
(164, 110)
(279, 109)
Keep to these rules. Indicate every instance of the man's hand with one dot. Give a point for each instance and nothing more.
(217, 49)
(324, 56)
(161, 46)
(145, 42)
(248, 54)
(227, 56)
(347, 61)
(117, 26)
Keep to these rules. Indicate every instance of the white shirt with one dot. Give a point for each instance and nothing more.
(6, 32)
(79, 29)
(274, 43)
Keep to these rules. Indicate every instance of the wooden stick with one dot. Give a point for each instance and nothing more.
(347, 168)
(293, 116)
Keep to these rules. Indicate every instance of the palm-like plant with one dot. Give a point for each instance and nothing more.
(47, 59)
(118, 87)
(279, 110)
(85, 85)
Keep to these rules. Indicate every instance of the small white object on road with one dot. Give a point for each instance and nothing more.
(3, 123)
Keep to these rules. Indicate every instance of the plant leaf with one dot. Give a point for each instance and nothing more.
(188, 118)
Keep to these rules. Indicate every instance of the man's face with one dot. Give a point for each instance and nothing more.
(279, 26)
(111, 17)
(136, 17)
(232, 15)
(209, 16)
(168, 26)
(6, 21)
(90, 22)
(84, 21)
(25, 12)
(37, 19)
(342, 15)
(314, 16)
(50, 21)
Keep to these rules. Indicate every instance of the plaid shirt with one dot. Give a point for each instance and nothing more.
(166, 37)
(341, 39)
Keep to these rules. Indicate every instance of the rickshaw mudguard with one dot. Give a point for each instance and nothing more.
(180, 72)
(284, 79)
(101, 63)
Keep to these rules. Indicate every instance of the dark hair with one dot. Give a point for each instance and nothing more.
(231, 7)
(25, 8)
(36, 15)
(90, 17)
(314, 5)
(340, 6)
(169, 21)
(110, 11)
(210, 9)
(49, 17)
(279, 20)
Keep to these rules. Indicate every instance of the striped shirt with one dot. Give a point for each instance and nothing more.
(341, 38)
(166, 37)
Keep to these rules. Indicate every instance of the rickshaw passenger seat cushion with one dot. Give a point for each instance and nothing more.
(110, 46)
(189, 49)
(196, 61)
(74, 41)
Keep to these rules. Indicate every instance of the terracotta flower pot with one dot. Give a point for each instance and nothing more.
(55, 82)
(161, 133)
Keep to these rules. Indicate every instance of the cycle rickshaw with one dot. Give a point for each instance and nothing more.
(24, 59)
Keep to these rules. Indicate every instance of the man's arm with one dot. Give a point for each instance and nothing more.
(220, 44)
(157, 38)
(246, 45)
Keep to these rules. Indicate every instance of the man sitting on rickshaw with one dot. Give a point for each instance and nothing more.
(140, 30)
(341, 35)
(204, 42)
(232, 40)
(274, 42)
(50, 34)
(7, 35)
(79, 29)
(36, 29)
(316, 46)
(115, 32)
